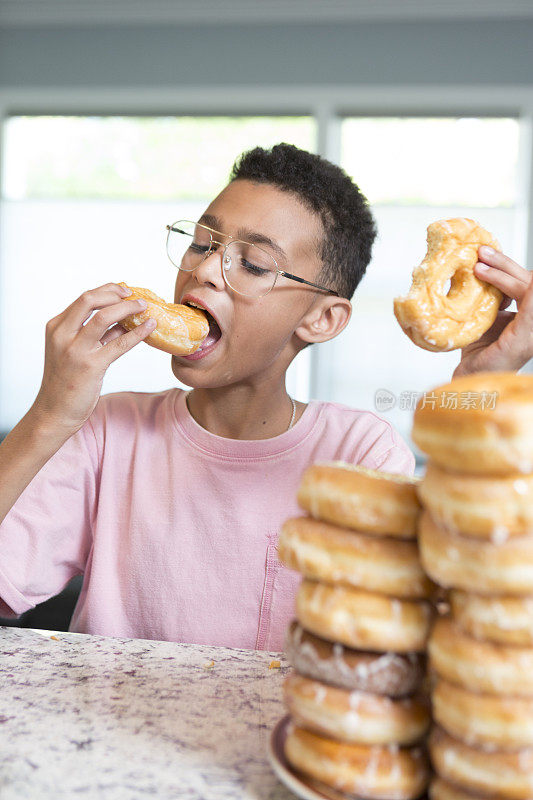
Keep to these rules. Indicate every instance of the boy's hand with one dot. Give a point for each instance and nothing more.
(77, 355)
(508, 344)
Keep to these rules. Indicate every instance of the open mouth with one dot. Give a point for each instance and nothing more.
(212, 338)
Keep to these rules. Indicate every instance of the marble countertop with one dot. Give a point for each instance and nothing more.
(96, 717)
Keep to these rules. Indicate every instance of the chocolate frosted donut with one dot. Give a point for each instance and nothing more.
(389, 674)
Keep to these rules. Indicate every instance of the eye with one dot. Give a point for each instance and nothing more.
(198, 248)
(252, 269)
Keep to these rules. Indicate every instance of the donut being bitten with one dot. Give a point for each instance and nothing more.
(354, 716)
(391, 674)
(180, 329)
(440, 320)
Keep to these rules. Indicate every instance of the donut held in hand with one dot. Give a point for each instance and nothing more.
(440, 320)
(180, 329)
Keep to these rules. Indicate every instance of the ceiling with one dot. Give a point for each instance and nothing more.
(231, 12)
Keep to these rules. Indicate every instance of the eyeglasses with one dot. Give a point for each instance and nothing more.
(246, 268)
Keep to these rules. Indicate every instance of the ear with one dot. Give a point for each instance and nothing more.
(325, 320)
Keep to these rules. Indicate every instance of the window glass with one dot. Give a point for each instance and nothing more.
(414, 171)
(85, 201)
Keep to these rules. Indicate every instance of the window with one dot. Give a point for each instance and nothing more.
(85, 201)
(414, 171)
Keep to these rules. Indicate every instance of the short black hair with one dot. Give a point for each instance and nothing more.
(325, 188)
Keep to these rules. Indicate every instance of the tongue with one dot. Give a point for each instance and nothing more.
(213, 335)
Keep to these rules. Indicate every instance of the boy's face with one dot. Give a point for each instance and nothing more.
(258, 334)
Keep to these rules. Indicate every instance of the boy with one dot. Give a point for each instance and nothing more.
(170, 503)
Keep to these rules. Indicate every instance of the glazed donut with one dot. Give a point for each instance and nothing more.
(478, 665)
(485, 568)
(502, 619)
(491, 721)
(370, 772)
(508, 774)
(390, 674)
(442, 790)
(438, 319)
(488, 432)
(337, 555)
(365, 620)
(356, 717)
(180, 329)
(479, 505)
(364, 499)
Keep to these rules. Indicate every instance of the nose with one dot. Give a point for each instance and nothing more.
(209, 271)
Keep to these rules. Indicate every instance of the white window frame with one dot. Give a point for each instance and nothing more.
(328, 105)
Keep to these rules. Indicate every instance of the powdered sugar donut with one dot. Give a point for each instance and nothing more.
(391, 674)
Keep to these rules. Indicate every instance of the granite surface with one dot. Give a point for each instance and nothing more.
(96, 717)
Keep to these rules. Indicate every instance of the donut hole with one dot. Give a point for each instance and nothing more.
(446, 289)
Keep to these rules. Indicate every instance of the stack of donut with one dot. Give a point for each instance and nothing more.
(356, 696)
(476, 540)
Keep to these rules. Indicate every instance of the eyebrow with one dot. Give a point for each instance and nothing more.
(244, 233)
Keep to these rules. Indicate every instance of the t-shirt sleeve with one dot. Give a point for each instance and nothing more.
(46, 537)
(389, 452)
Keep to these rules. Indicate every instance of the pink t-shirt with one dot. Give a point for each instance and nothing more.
(174, 528)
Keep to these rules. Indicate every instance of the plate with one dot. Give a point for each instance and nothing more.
(306, 788)
(302, 786)
(282, 768)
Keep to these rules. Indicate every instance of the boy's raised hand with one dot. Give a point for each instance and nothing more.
(508, 343)
(77, 355)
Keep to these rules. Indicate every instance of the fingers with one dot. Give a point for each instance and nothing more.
(118, 343)
(505, 303)
(503, 280)
(75, 315)
(112, 333)
(93, 331)
(493, 258)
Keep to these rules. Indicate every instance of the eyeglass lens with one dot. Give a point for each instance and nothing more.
(247, 269)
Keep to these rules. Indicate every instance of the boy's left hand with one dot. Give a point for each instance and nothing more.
(508, 344)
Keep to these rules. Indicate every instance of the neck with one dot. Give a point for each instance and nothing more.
(244, 411)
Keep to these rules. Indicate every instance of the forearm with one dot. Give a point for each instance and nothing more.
(23, 452)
